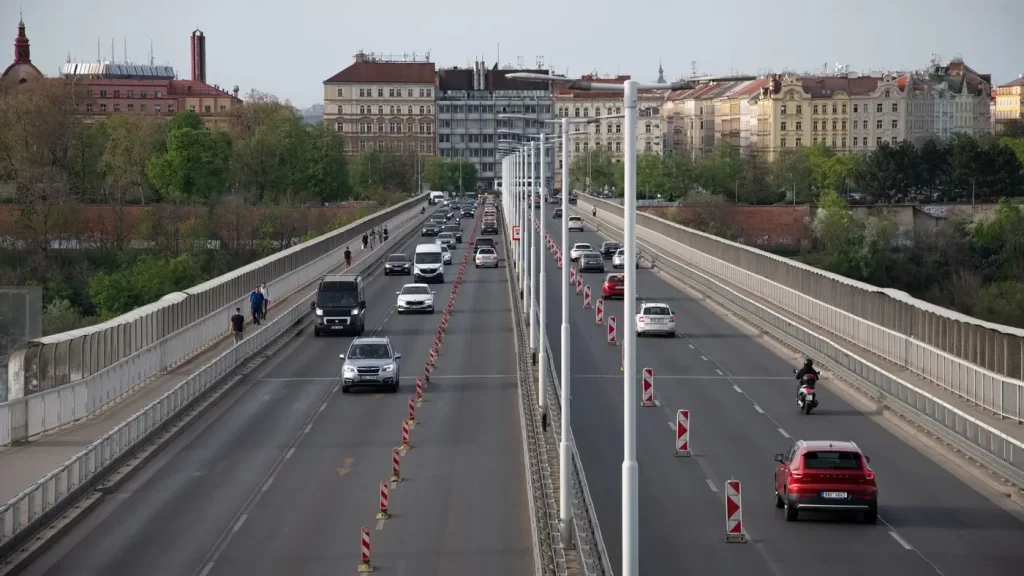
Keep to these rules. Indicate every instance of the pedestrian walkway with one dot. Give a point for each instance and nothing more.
(1006, 426)
(24, 464)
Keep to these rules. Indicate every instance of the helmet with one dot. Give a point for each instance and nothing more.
(808, 363)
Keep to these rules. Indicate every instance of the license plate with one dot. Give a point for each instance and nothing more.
(338, 327)
(658, 321)
(810, 397)
(834, 495)
(368, 377)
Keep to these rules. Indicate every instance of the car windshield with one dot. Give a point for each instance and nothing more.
(621, 252)
(583, 247)
(444, 248)
(575, 219)
(336, 299)
(428, 258)
(398, 258)
(486, 251)
(369, 352)
(417, 290)
(616, 278)
(657, 311)
(612, 245)
(446, 236)
(452, 227)
(832, 461)
(592, 256)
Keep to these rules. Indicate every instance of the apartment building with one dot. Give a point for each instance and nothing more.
(470, 102)
(383, 102)
(1009, 102)
(607, 134)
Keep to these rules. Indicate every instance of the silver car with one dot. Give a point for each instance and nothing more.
(370, 362)
(619, 260)
(591, 262)
(446, 239)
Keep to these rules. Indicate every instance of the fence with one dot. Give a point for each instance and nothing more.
(53, 361)
(23, 418)
(21, 319)
(42, 502)
(889, 323)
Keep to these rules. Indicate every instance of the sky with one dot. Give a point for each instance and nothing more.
(290, 48)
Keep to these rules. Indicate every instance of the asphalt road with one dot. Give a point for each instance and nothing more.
(743, 411)
(279, 477)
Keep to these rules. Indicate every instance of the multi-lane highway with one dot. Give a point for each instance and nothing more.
(281, 474)
(741, 394)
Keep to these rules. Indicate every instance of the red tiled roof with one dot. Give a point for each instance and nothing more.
(386, 73)
(16, 64)
(173, 88)
(751, 87)
(1019, 81)
(825, 86)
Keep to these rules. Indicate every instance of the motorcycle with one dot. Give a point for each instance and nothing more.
(423, 210)
(807, 399)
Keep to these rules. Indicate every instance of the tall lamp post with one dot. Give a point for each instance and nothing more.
(630, 469)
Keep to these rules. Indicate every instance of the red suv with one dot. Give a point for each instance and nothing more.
(614, 286)
(825, 476)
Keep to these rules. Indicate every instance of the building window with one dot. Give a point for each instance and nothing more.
(339, 126)
(647, 128)
(815, 108)
(158, 94)
(783, 125)
(618, 146)
(815, 126)
(88, 107)
(170, 108)
(799, 108)
(409, 92)
(391, 92)
(421, 110)
(815, 140)
(117, 107)
(117, 93)
(844, 124)
(144, 94)
(855, 141)
(782, 142)
(878, 107)
(577, 110)
(855, 124)
(886, 93)
(103, 107)
(430, 93)
(577, 145)
(380, 143)
(799, 142)
(191, 107)
(423, 127)
(895, 107)
(391, 109)
(597, 128)
(208, 109)
(131, 93)
(892, 140)
(608, 128)
(854, 108)
(362, 109)
(142, 107)
(362, 94)
(338, 92)
(799, 125)
(844, 143)
(103, 93)
(878, 124)
(834, 124)
(878, 141)
(131, 107)
(783, 108)
(895, 124)
(647, 147)
(833, 142)
(618, 128)
(156, 108)
(380, 110)
(835, 109)
(380, 127)
(844, 112)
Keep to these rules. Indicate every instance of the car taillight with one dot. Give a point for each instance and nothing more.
(869, 475)
(671, 318)
(640, 319)
(795, 475)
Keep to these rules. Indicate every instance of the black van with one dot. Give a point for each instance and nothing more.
(483, 242)
(340, 305)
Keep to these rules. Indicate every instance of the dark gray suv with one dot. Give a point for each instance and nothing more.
(370, 362)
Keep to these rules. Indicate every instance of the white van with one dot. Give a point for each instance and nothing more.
(436, 197)
(428, 263)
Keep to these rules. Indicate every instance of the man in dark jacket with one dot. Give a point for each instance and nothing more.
(807, 369)
(238, 325)
(256, 303)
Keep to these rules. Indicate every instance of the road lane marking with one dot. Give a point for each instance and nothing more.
(206, 569)
(267, 485)
(308, 428)
(346, 467)
(900, 539)
(409, 378)
(691, 346)
(720, 373)
(672, 425)
(685, 377)
(289, 454)
(784, 433)
(704, 358)
(657, 403)
(711, 485)
(238, 525)
(758, 408)
(737, 388)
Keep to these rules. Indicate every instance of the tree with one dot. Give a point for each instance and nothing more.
(194, 169)
(386, 170)
(435, 174)
(461, 175)
(596, 170)
(132, 140)
(327, 165)
(835, 231)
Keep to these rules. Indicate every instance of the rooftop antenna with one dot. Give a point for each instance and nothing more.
(151, 58)
(112, 53)
(125, 48)
(693, 68)
(98, 57)
(499, 55)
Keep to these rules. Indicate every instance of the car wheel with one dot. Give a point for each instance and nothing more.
(871, 515)
(345, 389)
(791, 510)
(779, 503)
(316, 333)
(394, 388)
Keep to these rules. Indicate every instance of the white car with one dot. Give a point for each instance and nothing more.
(579, 249)
(575, 224)
(415, 298)
(655, 318)
(486, 257)
(446, 254)
(619, 260)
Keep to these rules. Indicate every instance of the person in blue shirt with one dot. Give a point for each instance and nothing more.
(256, 303)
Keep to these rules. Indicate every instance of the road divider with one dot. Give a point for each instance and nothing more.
(612, 338)
(364, 550)
(734, 513)
(396, 465)
(683, 433)
(579, 284)
(586, 296)
(648, 387)
(383, 514)
(599, 312)
(572, 275)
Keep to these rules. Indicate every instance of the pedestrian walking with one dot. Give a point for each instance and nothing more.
(238, 325)
(256, 304)
(373, 237)
(266, 299)
(348, 258)
(384, 235)
(366, 240)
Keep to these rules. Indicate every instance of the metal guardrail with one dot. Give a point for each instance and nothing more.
(40, 503)
(999, 394)
(60, 359)
(996, 348)
(999, 451)
(23, 418)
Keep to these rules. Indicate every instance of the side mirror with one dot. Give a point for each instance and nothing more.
(432, 292)
(397, 356)
(312, 306)
(398, 293)
(794, 371)
(341, 356)
(867, 459)
(779, 457)
(362, 304)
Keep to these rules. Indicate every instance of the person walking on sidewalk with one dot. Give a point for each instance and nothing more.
(373, 237)
(366, 240)
(348, 258)
(266, 299)
(256, 303)
(238, 325)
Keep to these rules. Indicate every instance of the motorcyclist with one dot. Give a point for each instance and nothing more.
(423, 209)
(384, 234)
(807, 370)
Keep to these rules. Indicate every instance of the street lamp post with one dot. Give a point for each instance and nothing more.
(630, 469)
(529, 241)
(541, 287)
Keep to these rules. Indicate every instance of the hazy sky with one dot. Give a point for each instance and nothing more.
(290, 48)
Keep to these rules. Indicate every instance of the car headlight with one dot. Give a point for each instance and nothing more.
(319, 311)
(355, 312)
(349, 370)
(387, 368)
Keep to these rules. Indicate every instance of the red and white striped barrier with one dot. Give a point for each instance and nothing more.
(396, 465)
(572, 274)
(559, 258)
(586, 296)
(437, 340)
(579, 283)
(612, 339)
(683, 433)
(364, 550)
(412, 409)
(419, 389)
(734, 513)
(599, 311)
(432, 357)
(383, 500)
(405, 434)
(648, 387)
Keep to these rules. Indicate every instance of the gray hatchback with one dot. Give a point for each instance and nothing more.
(372, 362)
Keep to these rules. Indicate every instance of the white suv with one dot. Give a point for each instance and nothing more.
(655, 318)
(575, 224)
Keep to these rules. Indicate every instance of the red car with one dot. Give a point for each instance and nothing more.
(614, 286)
(825, 476)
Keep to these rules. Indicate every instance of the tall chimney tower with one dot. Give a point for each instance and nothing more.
(198, 56)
